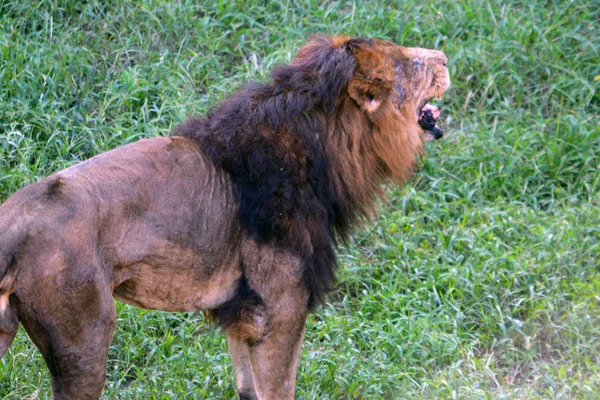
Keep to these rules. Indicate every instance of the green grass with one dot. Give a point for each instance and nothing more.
(480, 280)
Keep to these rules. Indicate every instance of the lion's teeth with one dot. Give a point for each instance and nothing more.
(435, 112)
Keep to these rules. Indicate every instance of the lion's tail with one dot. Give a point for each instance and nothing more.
(9, 321)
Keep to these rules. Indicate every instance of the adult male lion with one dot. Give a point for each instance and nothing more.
(236, 213)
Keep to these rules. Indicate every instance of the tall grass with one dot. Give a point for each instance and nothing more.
(481, 279)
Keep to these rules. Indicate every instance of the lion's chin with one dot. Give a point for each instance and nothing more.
(428, 137)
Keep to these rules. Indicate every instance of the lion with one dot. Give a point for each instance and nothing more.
(236, 213)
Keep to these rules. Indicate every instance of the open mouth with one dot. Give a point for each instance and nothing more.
(428, 117)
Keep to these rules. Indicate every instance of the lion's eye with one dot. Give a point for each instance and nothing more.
(370, 96)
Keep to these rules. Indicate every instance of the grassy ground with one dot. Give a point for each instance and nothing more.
(481, 279)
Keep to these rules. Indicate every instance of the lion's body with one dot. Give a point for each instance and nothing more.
(154, 217)
(153, 224)
(238, 214)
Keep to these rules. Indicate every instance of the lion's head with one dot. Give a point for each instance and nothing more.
(379, 115)
(408, 78)
(387, 73)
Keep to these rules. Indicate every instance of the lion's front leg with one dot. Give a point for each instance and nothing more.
(266, 337)
(265, 369)
(240, 357)
(274, 360)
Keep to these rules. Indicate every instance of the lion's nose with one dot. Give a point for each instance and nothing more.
(437, 56)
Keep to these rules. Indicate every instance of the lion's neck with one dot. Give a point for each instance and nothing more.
(364, 153)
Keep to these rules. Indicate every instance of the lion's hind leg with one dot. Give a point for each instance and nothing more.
(9, 321)
(70, 316)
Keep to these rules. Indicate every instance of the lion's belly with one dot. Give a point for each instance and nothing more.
(166, 288)
(188, 271)
(167, 224)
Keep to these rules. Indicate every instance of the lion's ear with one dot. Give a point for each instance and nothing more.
(364, 94)
(373, 79)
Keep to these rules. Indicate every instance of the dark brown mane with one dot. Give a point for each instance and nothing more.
(305, 160)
